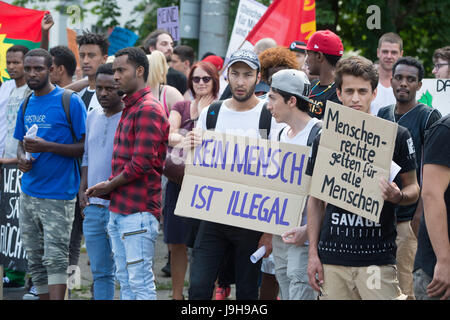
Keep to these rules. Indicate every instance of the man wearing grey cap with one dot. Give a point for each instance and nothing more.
(239, 115)
(289, 104)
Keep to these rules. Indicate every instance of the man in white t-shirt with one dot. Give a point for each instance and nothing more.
(238, 115)
(289, 104)
(390, 49)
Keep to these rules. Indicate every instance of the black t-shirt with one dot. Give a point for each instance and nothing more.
(320, 94)
(176, 79)
(417, 121)
(347, 239)
(436, 151)
(87, 97)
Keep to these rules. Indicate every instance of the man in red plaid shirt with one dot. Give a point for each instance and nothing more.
(134, 188)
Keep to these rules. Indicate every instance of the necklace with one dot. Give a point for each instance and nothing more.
(320, 93)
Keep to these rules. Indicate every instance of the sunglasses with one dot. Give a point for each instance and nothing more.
(204, 79)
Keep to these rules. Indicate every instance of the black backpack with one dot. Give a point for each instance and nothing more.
(265, 118)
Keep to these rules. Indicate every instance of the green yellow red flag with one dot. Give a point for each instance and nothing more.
(18, 26)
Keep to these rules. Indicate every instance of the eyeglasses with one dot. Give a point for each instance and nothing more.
(437, 66)
(204, 79)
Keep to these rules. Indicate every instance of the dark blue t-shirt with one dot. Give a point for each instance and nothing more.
(52, 176)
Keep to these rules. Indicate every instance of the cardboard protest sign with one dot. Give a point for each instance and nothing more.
(246, 182)
(12, 253)
(355, 151)
(121, 38)
(167, 19)
(435, 93)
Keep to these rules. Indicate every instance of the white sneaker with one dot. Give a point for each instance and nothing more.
(31, 295)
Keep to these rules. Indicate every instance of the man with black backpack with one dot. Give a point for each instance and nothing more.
(407, 74)
(245, 115)
(51, 176)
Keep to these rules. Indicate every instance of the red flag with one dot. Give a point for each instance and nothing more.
(286, 21)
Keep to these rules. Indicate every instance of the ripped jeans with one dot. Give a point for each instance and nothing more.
(133, 239)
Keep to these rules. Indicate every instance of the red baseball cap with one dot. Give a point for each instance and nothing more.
(215, 60)
(327, 42)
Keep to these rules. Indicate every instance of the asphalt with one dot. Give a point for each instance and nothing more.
(163, 283)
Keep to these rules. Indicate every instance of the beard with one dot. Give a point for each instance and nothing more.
(247, 96)
(39, 85)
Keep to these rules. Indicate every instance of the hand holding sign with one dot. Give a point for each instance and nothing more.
(193, 138)
(390, 191)
(297, 236)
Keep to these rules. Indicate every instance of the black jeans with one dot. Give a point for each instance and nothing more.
(211, 245)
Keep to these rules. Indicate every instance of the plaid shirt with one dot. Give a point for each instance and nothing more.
(140, 146)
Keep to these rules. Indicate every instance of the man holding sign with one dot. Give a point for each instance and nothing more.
(351, 256)
(240, 114)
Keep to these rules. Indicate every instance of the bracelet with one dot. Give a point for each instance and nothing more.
(401, 199)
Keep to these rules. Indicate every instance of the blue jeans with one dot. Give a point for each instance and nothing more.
(98, 247)
(133, 238)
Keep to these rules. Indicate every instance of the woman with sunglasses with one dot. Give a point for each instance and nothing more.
(179, 232)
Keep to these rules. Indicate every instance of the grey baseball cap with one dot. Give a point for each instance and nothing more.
(292, 81)
(246, 56)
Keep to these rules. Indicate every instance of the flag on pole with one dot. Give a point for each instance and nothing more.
(286, 21)
(18, 26)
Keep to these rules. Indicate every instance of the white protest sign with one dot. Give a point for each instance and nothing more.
(355, 151)
(245, 182)
(248, 14)
(435, 93)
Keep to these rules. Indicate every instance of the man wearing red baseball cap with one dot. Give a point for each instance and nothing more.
(323, 51)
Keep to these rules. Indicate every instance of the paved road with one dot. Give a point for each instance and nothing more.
(163, 284)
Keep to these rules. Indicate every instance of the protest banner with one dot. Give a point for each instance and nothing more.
(247, 15)
(12, 253)
(167, 19)
(245, 182)
(435, 93)
(121, 38)
(355, 151)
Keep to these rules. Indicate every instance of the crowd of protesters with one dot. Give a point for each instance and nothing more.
(101, 166)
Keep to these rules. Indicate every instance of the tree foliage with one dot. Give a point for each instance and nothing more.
(423, 25)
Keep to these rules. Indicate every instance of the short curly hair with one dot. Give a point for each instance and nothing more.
(94, 38)
(276, 57)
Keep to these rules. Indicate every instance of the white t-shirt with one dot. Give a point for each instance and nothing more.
(385, 97)
(239, 123)
(5, 92)
(15, 100)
